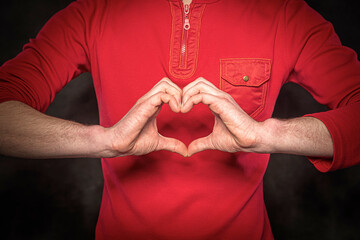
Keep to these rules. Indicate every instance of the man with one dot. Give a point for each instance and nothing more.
(211, 194)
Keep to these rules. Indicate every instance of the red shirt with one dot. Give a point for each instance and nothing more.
(246, 48)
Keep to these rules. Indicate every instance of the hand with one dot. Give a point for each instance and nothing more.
(233, 131)
(137, 134)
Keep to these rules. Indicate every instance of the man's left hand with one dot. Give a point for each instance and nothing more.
(234, 130)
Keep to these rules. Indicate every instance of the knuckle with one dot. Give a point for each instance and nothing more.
(201, 79)
(140, 101)
(201, 84)
(227, 96)
(164, 79)
(157, 95)
(163, 83)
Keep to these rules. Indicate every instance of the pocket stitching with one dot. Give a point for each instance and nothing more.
(264, 84)
(225, 76)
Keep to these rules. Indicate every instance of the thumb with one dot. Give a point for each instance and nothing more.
(200, 145)
(172, 145)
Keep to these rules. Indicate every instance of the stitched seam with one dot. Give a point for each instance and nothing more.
(187, 39)
(174, 69)
(198, 40)
(267, 71)
(264, 85)
(262, 105)
(171, 38)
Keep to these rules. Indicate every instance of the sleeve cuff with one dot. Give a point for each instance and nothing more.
(343, 125)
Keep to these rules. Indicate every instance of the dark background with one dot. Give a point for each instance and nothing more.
(60, 198)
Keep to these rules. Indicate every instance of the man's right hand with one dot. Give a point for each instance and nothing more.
(137, 134)
(28, 133)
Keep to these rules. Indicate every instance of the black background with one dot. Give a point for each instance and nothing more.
(60, 198)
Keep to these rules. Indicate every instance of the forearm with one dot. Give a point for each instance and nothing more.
(25, 132)
(301, 136)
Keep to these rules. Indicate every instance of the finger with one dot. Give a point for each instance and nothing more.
(158, 99)
(200, 79)
(200, 87)
(214, 102)
(200, 145)
(172, 145)
(149, 108)
(166, 86)
(171, 83)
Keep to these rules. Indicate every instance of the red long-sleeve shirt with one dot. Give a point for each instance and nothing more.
(247, 48)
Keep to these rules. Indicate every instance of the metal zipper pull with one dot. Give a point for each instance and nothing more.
(185, 33)
(186, 16)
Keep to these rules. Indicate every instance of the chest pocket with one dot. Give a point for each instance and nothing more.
(246, 80)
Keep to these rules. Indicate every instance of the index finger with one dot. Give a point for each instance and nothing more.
(167, 86)
(198, 80)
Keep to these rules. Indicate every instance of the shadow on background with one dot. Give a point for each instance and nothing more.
(60, 198)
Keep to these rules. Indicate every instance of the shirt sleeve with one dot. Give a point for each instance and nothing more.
(331, 73)
(47, 63)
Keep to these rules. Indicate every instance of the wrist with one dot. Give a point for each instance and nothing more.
(268, 133)
(101, 143)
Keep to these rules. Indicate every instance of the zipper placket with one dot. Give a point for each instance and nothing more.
(185, 34)
(185, 40)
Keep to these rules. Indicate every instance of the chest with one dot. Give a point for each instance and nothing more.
(231, 46)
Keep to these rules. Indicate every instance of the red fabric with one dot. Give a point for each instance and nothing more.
(128, 46)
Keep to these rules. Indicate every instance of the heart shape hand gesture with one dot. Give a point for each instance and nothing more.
(137, 134)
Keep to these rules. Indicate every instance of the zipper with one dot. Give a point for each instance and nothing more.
(185, 34)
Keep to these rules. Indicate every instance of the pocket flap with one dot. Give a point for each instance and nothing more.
(250, 72)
